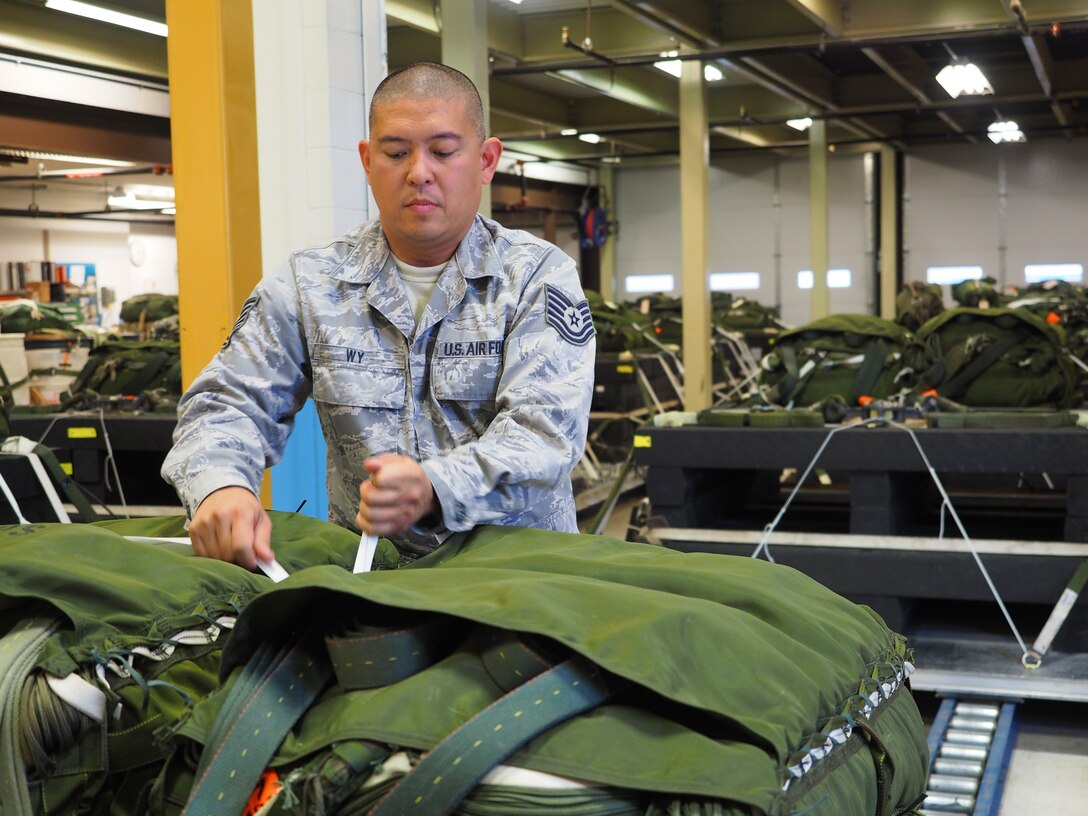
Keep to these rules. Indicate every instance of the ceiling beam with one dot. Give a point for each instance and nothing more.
(909, 71)
(1039, 56)
(827, 14)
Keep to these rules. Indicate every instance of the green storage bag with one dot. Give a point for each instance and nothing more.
(148, 307)
(996, 358)
(917, 303)
(846, 356)
(126, 368)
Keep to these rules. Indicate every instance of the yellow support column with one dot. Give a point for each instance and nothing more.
(889, 233)
(818, 218)
(213, 124)
(694, 165)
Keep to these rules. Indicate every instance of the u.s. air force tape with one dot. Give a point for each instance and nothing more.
(572, 320)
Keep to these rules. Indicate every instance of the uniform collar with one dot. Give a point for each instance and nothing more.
(370, 256)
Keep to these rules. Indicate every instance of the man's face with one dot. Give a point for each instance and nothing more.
(426, 168)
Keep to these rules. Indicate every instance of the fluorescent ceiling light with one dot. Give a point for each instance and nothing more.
(964, 78)
(569, 132)
(64, 157)
(516, 2)
(1006, 131)
(592, 138)
(107, 16)
(169, 211)
(672, 67)
(800, 124)
(131, 202)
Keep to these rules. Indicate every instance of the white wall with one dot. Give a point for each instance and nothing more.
(999, 207)
(758, 222)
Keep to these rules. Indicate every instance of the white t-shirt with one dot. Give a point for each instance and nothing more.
(419, 282)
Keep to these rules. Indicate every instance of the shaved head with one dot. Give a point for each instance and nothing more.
(425, 80)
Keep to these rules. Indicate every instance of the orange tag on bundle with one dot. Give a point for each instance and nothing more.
(266, 790)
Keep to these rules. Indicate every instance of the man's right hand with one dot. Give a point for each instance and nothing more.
(231, 525)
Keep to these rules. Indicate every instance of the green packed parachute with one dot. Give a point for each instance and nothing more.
(648, 681)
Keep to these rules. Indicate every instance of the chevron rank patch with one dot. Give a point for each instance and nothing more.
(573, 321)
(247, 307)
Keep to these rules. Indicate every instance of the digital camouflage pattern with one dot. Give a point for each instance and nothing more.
(485, 393)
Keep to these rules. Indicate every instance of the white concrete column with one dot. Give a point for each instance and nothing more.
(316, 63)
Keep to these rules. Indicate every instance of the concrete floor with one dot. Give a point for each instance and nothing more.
(1048, 773)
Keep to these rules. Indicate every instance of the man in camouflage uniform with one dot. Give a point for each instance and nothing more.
(449, 358)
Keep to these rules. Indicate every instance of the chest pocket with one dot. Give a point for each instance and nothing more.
(376, 380)
(465, 379)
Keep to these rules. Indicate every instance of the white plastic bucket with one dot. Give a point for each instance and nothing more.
(47, 389)
(47, 351)
(13, 360)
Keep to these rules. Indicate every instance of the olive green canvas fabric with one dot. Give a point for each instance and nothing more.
(741, 670)
(742, 686)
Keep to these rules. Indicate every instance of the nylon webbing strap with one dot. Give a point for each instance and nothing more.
(872, 363)
(510, 660)
(369, 657)
(271, 693)
(1061, 610)
(19, 650)
(974, 369)
(64, 481)
(446, 775)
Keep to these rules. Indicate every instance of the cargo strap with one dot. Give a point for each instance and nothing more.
(456, 765)
(274, 689)
(971, 371)
(19, 650)
(872, 363)
(370, 657)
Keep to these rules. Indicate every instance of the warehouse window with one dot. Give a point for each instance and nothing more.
(649, 283)
(1037, 273)
(732, 281)
(836, 279)
(952, 274)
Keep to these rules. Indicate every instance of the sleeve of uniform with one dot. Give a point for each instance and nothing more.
(543, 399)
(235, 418)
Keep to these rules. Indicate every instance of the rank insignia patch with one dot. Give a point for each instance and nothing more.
(247, 307)
(573, 321)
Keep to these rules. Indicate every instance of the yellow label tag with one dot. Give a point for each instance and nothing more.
(625, 369)
(643, 441)
(66, 467)
(83, 433)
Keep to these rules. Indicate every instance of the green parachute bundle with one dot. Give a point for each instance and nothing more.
(148, 307)
(146, 371)
(979, 293)
(999, 358)
(1059, 303)
(35, 317)
(639, 680)
(845, 356)
(917, 303)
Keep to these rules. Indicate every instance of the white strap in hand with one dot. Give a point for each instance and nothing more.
(364, 558)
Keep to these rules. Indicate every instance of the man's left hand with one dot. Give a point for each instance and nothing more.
(396, 496)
